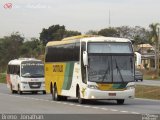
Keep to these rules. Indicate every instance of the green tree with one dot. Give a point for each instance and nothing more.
(92, 32)
(10, 48)
(109, 32)
(153, 33)
(69, 33)
(56, 33)
(155, 42)
(32, 48)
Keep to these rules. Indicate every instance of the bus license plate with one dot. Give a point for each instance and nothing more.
(34, 85)
(112, 94)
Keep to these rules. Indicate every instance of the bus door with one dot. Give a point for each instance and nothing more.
(15, 77)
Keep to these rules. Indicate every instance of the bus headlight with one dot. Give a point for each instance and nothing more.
(92, 87)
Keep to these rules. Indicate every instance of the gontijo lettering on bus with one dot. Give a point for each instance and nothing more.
(57, 68)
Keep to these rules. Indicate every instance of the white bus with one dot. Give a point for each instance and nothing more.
(25, 75)
(90, 68)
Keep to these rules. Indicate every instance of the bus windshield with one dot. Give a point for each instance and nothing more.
(32, 69)
(109, 47)
(110, 65)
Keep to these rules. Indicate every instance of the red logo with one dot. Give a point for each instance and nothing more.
(8, 6)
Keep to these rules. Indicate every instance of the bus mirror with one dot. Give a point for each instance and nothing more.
(85, 58)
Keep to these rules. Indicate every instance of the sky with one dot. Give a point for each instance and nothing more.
(29, 17)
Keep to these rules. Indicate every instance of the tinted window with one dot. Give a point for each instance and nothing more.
(13, 69)
(67, 52)
(109, 48)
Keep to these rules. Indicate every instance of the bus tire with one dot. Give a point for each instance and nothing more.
(11, 89)
(55, 95)
(44, 92)
(34, 92)
(120, 102)
(80, 100)
(63, 98)
(19, 90)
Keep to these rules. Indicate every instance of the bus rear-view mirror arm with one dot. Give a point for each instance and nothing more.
(85, 58)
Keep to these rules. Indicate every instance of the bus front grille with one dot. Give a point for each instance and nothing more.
(34, 84)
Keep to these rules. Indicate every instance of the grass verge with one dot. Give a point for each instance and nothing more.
(2, 78)
(149, 92)
(147, 77)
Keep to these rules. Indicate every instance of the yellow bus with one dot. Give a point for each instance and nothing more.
(90, 68)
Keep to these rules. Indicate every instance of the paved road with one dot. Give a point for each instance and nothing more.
(149, 82)
(29, 103)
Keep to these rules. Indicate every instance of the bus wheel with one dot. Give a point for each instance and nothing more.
(19, 90)
(55, 95)
(120, 102)
(64, 98)
(11, 89)
(34, 92)
(44, 92)
(80, 100)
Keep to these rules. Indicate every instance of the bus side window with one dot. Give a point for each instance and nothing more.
(83, 68)
(83, 45)
(18, 70)
(14, 70)
(11, 69)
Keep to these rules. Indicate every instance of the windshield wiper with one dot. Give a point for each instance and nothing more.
(37, 75)
(26, 75)
(106, 72)
(119, 70)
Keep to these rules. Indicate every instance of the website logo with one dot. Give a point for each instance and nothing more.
(7, 6)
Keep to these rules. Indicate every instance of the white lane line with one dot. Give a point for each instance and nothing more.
(37, 99)
(71, 104)
(79, 105)
(58, 102)
(114, 110)
(104, 109)
(65, 103)
(87, 106)
(135, 113)
(124, 111)
(95, 107)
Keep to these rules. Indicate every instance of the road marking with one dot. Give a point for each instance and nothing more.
(114, 110)
(57, 102)
(124, 111)
(135, 113)
(38, 99)
(64, 103)
(79, 105)
(87, 106)
(71, 104)
(104, 109)
(95, 107)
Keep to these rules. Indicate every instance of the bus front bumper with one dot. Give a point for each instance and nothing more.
(109, 95)
(32, 87)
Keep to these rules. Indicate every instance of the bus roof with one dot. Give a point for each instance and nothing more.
(87, 38)
(20, 60)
